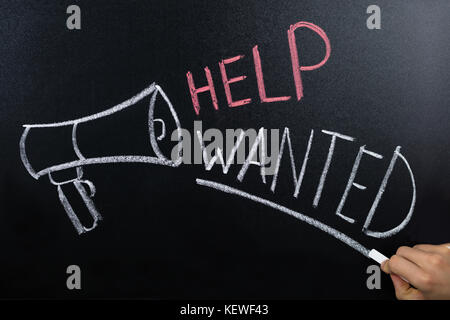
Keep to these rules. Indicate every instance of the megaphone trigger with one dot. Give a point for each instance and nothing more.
(87, 199)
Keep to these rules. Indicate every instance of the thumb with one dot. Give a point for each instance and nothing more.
(403, 291)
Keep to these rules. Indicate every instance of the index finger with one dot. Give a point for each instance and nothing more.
(415, 255)
(442, 249)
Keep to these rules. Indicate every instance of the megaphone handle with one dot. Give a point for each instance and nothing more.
(88, 202)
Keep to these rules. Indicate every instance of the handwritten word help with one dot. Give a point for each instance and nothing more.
(296, 71)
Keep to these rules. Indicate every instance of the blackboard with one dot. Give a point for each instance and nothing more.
(167, 231)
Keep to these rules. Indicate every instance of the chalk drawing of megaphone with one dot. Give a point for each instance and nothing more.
(86, 188)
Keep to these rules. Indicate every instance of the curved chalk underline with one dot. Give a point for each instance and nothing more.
(317, 224)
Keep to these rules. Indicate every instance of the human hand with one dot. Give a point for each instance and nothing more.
(426, 267)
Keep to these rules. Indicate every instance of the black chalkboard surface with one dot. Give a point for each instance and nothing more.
(96, 112)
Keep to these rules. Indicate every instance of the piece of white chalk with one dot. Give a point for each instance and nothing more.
(377, 256)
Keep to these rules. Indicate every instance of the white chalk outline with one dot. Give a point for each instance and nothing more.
(160, 159)
(260, 140)
(297, 181)
(313, 222)
(402, 225)
(351, 180)
(326, 167)
(133, 100)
